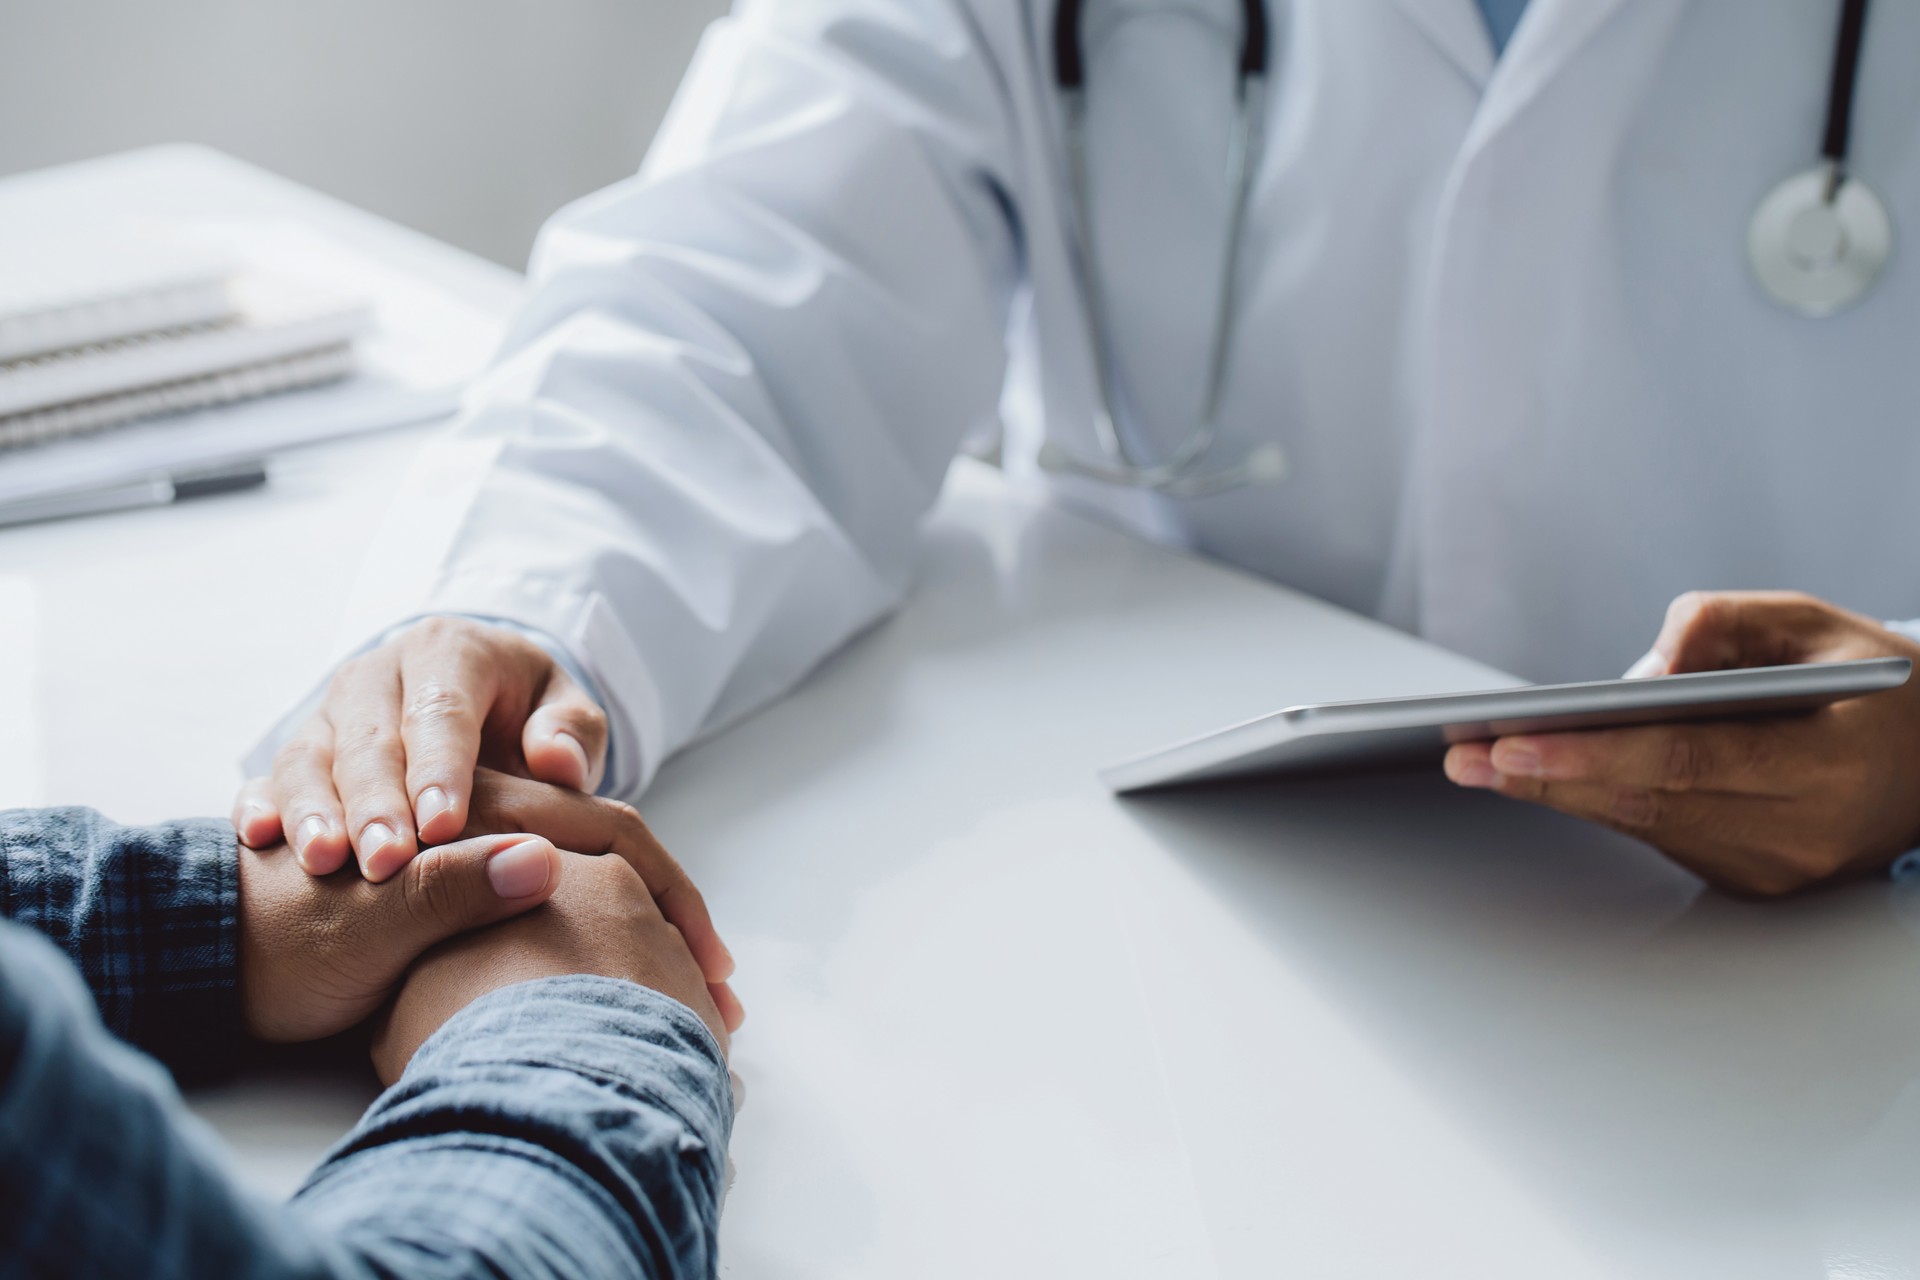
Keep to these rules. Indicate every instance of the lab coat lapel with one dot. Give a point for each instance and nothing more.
(1550, 33)
(1457, 30)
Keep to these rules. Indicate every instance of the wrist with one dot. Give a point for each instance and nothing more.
(601, 1019)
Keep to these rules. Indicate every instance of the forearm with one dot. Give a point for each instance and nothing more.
(149, 915)
(734, 391)
(570, 1126)
(103, 1174)
(561, 1128)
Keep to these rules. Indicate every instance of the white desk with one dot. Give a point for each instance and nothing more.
(1001, 1025)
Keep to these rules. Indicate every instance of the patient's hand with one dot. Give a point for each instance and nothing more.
(590, 824)
(601, 921)
(318, 954)
(501, 803)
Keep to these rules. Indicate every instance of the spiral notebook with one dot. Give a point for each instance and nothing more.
(133, 351)
(61, 293)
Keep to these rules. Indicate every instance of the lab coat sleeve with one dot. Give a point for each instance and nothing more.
(734, 392)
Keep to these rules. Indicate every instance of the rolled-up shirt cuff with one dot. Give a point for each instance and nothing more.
(619, 1092)
(596, 1026)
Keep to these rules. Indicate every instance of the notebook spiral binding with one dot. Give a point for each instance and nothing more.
(64, 421)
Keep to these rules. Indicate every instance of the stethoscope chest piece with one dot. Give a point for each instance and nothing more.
(1817, 248)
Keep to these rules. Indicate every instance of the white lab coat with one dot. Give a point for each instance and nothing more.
(1499, 316)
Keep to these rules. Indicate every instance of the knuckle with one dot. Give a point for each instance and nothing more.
(435, 703)
(1761, 756)
(431, 895)
(623, 815)
(1688, 606)
(1705, 610)
(1519, 788)
(1685, 763)
(435, 632)
(342, 678)
(296, 755)
(1637, 810)
(369, 738)
(352, 674)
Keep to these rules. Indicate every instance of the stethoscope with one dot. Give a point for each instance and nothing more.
(1817, 243)
(1179, 475)
(1821, 239)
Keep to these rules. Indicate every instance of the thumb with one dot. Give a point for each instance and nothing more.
(565, 741)
(452, 888)
(1718, 630)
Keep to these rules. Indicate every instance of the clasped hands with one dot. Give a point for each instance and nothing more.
(322, 953)
(451, 763)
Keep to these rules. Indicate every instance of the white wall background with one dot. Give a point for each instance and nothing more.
(469, 119)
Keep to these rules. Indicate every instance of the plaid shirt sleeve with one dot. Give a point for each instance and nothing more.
(560, 1128)
(149, 915)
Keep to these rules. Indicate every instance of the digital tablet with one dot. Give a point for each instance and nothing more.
(1385, 732)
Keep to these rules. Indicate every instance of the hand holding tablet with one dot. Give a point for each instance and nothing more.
(1782, 751)
(1386, 732)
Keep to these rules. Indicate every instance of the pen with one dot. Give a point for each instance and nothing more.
(152, 491)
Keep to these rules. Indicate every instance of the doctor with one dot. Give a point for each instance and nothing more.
(1498, 325)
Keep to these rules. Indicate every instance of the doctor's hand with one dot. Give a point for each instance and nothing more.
(386, 762)
(1759, 807)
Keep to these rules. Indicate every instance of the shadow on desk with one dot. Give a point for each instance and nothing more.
(1637, 1047)
(287, 1104)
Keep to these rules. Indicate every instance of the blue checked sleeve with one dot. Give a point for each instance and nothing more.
(149, 915)
(562, 1127)
(557, 1129)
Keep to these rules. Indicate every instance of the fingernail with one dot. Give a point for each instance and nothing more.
(250, 813)
(1516, 760)
(519, 871)
(432, 803)
(376, 838)
(310, 830)
(572, 744)
(1650, 664)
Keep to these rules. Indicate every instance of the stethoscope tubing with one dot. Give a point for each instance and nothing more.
(1174, 474)
(1837, 136)
(1850, 274)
